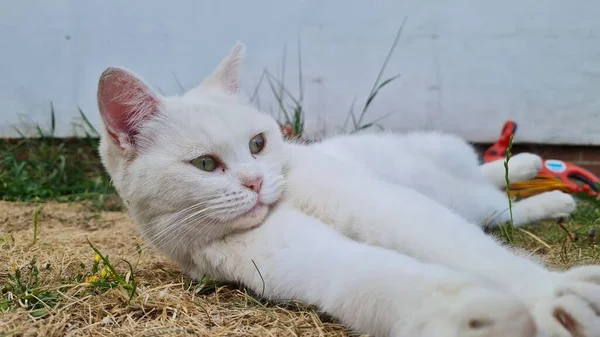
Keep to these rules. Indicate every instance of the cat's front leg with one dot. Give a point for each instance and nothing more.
(371, 289)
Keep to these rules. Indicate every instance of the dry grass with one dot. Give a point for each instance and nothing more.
(167, 303)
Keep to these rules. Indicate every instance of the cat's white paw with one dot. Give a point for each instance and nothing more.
(573, 309)
(524, 166)
(474, 312)
(558, 203)
(548, 205)
(491, 314)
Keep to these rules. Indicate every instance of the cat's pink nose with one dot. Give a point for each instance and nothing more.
(254, 184)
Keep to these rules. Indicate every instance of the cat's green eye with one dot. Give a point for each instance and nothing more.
(257, 143)
(206, 163)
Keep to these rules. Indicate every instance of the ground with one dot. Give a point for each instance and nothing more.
(166, 302)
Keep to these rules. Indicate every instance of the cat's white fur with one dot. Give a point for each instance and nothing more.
(378, 256)
(445, 168)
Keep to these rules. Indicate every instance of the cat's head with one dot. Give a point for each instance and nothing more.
(190, 168)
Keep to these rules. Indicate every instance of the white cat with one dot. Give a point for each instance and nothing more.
(445, 168)
(210, 182)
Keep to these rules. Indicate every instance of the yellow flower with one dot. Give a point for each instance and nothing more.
(91, 279)
(14, 267)
(105, 272)
(97, 258)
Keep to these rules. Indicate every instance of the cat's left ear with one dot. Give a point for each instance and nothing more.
(227, 75)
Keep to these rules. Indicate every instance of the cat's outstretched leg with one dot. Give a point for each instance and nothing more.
(371, 289)
(522, 166)
(379, 213)
(548, 205)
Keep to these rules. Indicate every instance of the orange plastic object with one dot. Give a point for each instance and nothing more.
(575, 177)
(498, 150)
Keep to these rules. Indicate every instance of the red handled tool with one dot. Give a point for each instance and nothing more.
(555, 174)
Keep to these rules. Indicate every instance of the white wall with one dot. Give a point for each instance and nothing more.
(466, 65)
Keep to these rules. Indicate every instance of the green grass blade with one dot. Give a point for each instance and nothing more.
(87, 122)
(383, 66)
(52, 120)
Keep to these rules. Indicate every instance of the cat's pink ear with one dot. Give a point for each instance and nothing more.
(125, 103)
(227, 75)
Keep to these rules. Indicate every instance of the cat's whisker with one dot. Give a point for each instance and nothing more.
(208, 229)
(181, 224)
(178, 213)
(182, 229)
(204, 232)
(177, 226)
(166, 224)
(195, 233)
(144, 212)
(147, 210)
